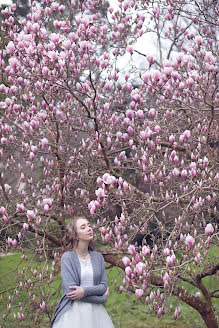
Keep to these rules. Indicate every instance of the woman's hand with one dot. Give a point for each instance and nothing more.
(107, 292)
(77, 294)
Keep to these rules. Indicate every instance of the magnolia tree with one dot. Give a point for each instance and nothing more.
(90, 124)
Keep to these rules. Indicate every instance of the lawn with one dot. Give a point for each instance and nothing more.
(125, 312)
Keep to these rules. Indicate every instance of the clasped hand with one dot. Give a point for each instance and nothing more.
(78, 293)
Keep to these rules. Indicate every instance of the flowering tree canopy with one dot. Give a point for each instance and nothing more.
(90, 124)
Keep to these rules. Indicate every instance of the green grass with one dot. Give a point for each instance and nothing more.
(125, 312)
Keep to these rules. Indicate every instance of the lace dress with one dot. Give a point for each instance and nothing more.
(81, 314)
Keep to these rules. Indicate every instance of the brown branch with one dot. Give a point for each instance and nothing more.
(214, 292)
(140, 53)
(47, 235)
(175, 39)
(176, 147)
(213, 270)
(156, 280)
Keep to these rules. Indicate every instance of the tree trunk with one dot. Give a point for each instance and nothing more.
(209, 319)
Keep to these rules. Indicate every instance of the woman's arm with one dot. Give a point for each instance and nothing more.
(94, 299)
(68, 276)
(100, 289)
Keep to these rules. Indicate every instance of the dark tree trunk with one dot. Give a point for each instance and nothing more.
(209, 319)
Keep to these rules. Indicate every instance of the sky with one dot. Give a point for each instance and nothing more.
(5, 2)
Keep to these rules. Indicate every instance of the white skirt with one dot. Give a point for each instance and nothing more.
(85, 315)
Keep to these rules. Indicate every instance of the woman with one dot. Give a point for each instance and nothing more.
(84, 281)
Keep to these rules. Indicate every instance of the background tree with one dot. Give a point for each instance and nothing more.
(135, 148)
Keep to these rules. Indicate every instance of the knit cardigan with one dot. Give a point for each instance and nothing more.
(71, 276)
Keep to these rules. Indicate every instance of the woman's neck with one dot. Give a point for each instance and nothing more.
(82, 249)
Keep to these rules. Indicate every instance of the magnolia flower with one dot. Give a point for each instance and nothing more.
(169, 260)
(166, 252)
(48, 201)
(184, 173)
(2, 210)
(43, 306)
(100, 192)
(209, 229)
(25, 227)
(189, 241)
(128, 271)
(10, 47)
(166, 277)
(20, 207)
(30, 214)
(125, 185)
(157, 129)
(140, 114)
(44, 142)
(14, 243)
(145, 250)
(139, 293)
(126, 261)
(152, 112)
(175, 172)
(108, 179)
(107, 237)
(198, 295)
(131, 249)
(140, 267)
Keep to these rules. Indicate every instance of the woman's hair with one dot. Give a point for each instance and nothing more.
(69, 241)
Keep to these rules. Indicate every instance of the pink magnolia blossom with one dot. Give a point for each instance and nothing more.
(169, 261)
(152, 112)
(175, 172)
(25, 227)
(189, 241)
(126, 261)
(43, 306)
(20, 207)
(131, 249)
(171, 138)
(140, 114)
(166, 252)
(146, 250)
(2, 210)
(107, 237)
(128, 271)
(30, 214)
(140, 267)
(10, 47)
(48, 201)
(184, 174)
(108, 179)
(209, 230)
(198, 295)
(139, 293)
(44, 142)
(125, 185)
(14, 243)
(166, 277)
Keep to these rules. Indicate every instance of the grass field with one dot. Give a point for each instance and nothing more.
(125, 313)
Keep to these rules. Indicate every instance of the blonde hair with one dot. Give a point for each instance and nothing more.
(69, 241)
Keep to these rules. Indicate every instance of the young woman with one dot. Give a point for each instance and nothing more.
(84, 281)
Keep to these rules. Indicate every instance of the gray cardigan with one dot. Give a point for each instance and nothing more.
(71, 276)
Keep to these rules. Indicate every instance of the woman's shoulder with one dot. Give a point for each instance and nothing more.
(97, 254)
(66, 255)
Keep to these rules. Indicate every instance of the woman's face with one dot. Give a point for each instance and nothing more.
(84, 230)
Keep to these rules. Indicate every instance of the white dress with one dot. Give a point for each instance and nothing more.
(83, 314)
